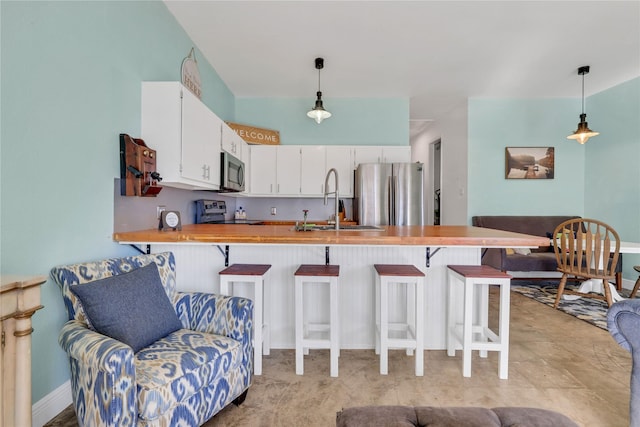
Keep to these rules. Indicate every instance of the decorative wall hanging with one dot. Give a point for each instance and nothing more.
(254, 135)
(138, 175)
(191, 74)
(529, 163)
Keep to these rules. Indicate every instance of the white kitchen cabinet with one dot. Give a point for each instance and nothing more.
(246, 158)
(340, 158)
(288, 170)
(313, 171)
(367, 154)
(300, 170)
(381, 154)
(232, 143)
(396, 154)
(184, 133)
(262, 170)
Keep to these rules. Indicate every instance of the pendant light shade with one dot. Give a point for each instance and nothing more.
(583, 133)
(318, 113)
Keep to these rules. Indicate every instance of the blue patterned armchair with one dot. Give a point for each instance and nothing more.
(183, 378)
(623, 321)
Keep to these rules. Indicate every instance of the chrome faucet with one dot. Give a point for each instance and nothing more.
(326, 193)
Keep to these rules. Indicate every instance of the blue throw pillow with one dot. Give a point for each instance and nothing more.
(132, 307)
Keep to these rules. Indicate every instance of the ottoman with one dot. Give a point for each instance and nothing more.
(401, 416)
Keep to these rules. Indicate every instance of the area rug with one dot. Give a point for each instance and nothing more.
(588, 309)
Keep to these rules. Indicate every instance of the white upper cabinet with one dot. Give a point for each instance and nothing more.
(300, 170)
(313, 171)
(340, 158)
(381, 154)
(246, 158)
(200, 136)
(185, 135)
(396, 154)
(262, 170)
(366, 155)
(288, 170)
(233, 143)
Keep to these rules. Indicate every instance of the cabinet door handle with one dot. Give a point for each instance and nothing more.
(270, 188)
(278, 188)
(204, 171)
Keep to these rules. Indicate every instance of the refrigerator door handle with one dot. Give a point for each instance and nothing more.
(392, 200)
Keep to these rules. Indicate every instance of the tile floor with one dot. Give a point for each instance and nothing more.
(557, 362)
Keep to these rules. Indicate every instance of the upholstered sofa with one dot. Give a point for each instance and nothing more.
(539, 259)
(366, 416)
(178, 357)
(623, 322)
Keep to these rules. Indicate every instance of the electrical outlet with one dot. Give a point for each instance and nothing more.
(159, 210)
(273, 211)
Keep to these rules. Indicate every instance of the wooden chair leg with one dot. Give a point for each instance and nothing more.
(635, 288)
(563, 281)
(607, 292)
(619, 281)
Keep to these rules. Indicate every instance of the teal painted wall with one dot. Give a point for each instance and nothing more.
(498, 123)
(599, 179)
(71, 74)
(612, 172)
(353, 121)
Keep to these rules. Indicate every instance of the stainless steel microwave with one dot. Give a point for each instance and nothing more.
(232, 173)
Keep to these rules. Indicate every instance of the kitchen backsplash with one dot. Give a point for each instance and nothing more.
(139, 213)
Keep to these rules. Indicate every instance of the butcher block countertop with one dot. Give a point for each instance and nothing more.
(444, 235)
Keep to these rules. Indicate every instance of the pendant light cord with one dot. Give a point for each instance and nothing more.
(583, 93)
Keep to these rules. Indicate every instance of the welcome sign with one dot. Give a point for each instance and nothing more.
(254, 135)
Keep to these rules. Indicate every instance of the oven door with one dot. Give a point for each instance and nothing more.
(232, 169)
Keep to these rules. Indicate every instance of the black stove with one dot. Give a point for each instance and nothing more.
(212, 212)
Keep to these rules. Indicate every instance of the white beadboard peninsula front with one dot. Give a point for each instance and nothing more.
(200, 254)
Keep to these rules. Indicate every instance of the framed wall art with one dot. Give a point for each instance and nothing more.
(529, 162)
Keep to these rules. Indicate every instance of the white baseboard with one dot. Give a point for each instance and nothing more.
(51, 405)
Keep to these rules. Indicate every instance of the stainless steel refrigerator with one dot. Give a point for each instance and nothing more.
(389, 194)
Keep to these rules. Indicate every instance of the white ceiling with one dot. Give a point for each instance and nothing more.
(436, 53)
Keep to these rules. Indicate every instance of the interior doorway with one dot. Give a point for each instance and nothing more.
(435, 160)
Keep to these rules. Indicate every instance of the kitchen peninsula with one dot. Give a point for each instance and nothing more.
(201, 251)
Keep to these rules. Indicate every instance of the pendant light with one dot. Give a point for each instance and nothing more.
(318, 113)
(583, 133)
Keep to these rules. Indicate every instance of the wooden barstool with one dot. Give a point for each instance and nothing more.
(637, 285)
(254, 274)
(314, 335)
(413, 327)
(470, 276)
